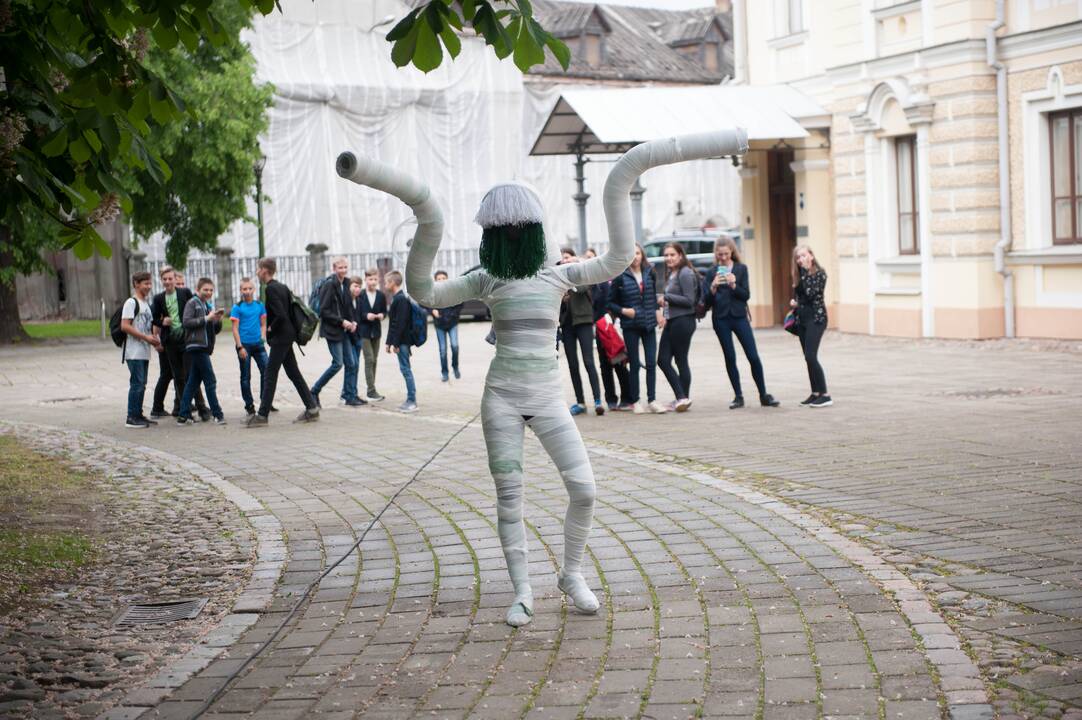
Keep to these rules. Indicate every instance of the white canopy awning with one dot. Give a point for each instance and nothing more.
(613, 120)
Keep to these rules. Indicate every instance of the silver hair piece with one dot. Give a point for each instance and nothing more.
(512, 203)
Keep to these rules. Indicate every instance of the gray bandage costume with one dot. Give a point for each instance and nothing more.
(523, 384)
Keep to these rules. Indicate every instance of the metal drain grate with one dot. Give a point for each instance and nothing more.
(1002, 392)
(53, 401)
(160, 612)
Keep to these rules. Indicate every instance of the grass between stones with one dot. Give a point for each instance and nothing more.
(46, 516)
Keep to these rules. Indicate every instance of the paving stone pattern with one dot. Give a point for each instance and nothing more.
(718, 600)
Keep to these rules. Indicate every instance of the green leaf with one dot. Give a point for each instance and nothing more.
(450, 39)
(527, 50)
(433, 18)
(469, 9)
(100, 245)
(558, 49)
(265, 6)
(140, 106)
(403, 51)
(402, 27)
(79, 150)
(84, 244)
(166, 36)
(429, 54)
(93, 140)
(162, 111)
(57, 144)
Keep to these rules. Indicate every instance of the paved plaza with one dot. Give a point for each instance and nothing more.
(913, 552)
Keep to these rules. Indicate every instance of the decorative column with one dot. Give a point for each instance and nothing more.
(922, 121)
(317, 261)
(581, 197)
(224, 268)
(636, 208)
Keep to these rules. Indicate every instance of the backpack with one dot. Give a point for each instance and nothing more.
(304, 320)
(313, 297)
(419, 324)
(119, 336)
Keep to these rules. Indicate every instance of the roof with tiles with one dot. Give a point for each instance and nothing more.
(639, 42)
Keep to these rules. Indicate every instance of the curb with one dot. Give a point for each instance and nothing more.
(254, 599)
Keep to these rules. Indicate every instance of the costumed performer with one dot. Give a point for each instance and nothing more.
(522, 286)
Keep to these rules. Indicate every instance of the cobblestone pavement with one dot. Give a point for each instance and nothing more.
(911, 552)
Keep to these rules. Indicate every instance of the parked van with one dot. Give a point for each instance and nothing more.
(698, 244)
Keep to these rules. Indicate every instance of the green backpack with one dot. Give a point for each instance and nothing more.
(304, 320)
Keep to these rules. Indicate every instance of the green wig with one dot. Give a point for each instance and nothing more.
(513, 252)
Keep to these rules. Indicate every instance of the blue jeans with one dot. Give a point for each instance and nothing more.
(201, 372)
(349, 383)
(137, 386)
(442, 336)
(256, 352)
(725, 328)
(407, 372)
(340, 357)
(648, 338)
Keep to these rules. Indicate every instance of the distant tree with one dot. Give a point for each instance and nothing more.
(89, 114)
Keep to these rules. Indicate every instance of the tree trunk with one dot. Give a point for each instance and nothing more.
(11, 327)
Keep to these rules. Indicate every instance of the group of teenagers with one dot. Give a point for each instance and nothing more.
(181, 327)
(673, 302)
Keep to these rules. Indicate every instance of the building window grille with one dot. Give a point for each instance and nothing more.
(1065, 143)
(905, 164)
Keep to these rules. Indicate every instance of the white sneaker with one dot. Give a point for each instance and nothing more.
(638, 408)
(407, 407)
(657, 408)
(682, 405)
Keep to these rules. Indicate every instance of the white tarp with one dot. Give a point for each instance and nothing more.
(463, 127)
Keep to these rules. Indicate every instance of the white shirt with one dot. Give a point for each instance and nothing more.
(138, 311)
(371, 298)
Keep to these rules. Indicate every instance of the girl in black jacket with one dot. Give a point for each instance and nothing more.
(633, 298)
(809, 284)
(728, 295)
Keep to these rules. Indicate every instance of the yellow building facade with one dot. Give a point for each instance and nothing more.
(941, 188)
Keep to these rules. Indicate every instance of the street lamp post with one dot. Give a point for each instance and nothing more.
(260, 163)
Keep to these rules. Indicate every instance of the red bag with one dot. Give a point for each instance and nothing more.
(611, 342)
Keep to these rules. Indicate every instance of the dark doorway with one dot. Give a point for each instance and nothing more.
(782, 191)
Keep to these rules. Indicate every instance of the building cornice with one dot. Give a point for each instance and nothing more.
(896, 9)
(904, 63)
(1056, 37)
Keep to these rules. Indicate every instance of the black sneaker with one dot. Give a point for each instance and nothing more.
(160, 413)
(256, 420)
(309, 415)
(808, 400)
(315, 398)
(137, 423)
(768, 401)
(737, 403)
(205, 416)
(147, 420)
(250, 410)
(220, 420)
(183, 420)
(355, 402)
(373, 395)
(821, 401)
(274, 409)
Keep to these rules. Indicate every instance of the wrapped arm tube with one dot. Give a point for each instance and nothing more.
(415, 193)
(617, 199)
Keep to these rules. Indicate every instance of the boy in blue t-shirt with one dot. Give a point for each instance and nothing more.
(249, 329)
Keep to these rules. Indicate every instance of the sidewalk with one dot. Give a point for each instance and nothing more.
(861, 560)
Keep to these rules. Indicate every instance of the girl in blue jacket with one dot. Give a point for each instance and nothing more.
(633, 298)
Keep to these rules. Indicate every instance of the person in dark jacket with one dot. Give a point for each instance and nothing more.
(201, 325)
(167, 309)
(607, 369)
(681, 294)
(281, 334)
(577, 329)
(809, 287)
(633, 299)
(370, 314)
(335, 325)
(727, 295)
(445, 321)
(400, 336)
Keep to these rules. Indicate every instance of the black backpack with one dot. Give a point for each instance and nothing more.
(119, 336)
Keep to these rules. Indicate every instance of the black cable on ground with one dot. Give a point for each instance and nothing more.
(311, 586)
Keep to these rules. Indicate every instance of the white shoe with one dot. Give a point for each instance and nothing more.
(521, 611)
(657, 408)
(638, 408)
(574, 586)
(682, 405)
